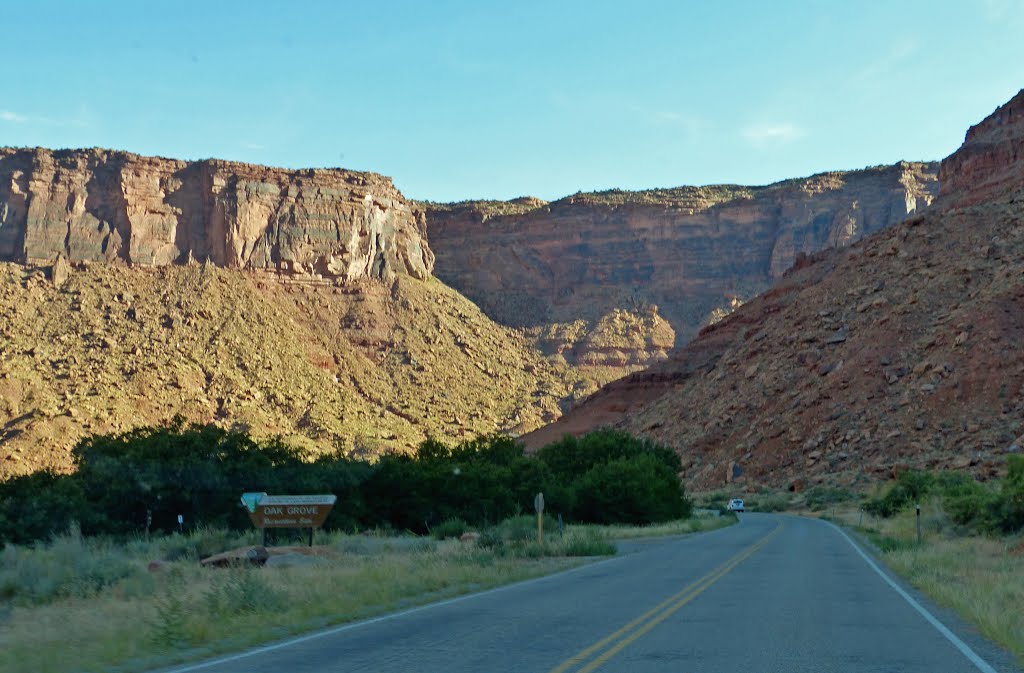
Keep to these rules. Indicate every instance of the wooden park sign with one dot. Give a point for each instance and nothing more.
(288, 511)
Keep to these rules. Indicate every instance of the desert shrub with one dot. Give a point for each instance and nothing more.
(523, 528)
(777, 502)
(1010, 512)
(910, 487)
(822, 497)
(242, 590)
(588, 543)
(67, 567)
(168, 626)
(453, 527)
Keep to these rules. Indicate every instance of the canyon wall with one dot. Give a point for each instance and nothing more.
(991, 160)
(685, 253)
(100, 205)
(901, 350)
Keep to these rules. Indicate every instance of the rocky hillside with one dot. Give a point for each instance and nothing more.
(615, 279)
(100, 205)
(365, 366)
(903, 348)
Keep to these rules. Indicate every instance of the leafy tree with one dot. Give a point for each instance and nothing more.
(634, 490)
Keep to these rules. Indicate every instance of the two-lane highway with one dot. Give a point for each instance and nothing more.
(774, 593)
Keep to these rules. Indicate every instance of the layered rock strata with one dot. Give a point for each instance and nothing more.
(688, 252)
(100, 205)
(991, 161)
(900, 350)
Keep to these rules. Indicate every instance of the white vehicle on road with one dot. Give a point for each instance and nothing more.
(735, 505)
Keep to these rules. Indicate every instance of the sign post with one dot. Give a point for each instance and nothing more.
(288, 511)
(538, 504)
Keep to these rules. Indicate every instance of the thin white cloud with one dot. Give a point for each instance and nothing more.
(254, 146)
(16, 118)
(764, 134)
(8, 116)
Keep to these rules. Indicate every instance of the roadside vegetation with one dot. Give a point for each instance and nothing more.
(139, 482)
(78, 603)
(971, 555)
(94, 574)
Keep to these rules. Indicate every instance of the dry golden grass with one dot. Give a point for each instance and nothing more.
(81, 604)
(145, 620)
(980, 578)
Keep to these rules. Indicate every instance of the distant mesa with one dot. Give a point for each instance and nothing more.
(688, 252)
(102, 205)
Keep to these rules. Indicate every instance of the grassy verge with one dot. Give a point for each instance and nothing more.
(84, 604)
(980, 578)
(697, 524)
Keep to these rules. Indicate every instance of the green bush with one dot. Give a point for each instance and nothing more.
(453, 527)
(910, 487)
(572, 457)
(68, 567)
(636, 490)
(588, 543)
(823, 497)
(1010, 512)
(772, 503)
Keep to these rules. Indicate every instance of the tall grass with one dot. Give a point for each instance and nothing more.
(79, 604)
(976, 577)
(980, 578)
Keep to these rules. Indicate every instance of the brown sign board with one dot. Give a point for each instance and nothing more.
(288, 511)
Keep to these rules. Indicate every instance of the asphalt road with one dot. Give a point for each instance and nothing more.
(774, 593)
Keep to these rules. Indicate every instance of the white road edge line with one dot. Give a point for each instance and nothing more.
(971, 655)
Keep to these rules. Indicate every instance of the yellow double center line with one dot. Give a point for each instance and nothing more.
(619, 640)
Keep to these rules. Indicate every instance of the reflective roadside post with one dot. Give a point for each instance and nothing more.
(918, 524)
(538, 504)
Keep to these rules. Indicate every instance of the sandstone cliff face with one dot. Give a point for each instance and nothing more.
(681, 253)
(99, 205)
(902, 349)
(991, 160)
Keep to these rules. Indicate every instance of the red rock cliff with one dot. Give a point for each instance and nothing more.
(902, 350)
(97, 204)
(991, 160)
(689, 251)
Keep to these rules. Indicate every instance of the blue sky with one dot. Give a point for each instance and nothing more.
(481, 99)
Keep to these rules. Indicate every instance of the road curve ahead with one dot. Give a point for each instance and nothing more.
(772, 594)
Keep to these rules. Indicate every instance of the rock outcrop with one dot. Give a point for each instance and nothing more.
(687, 252)
(991, 161)
(100, 205)
(901, 349)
